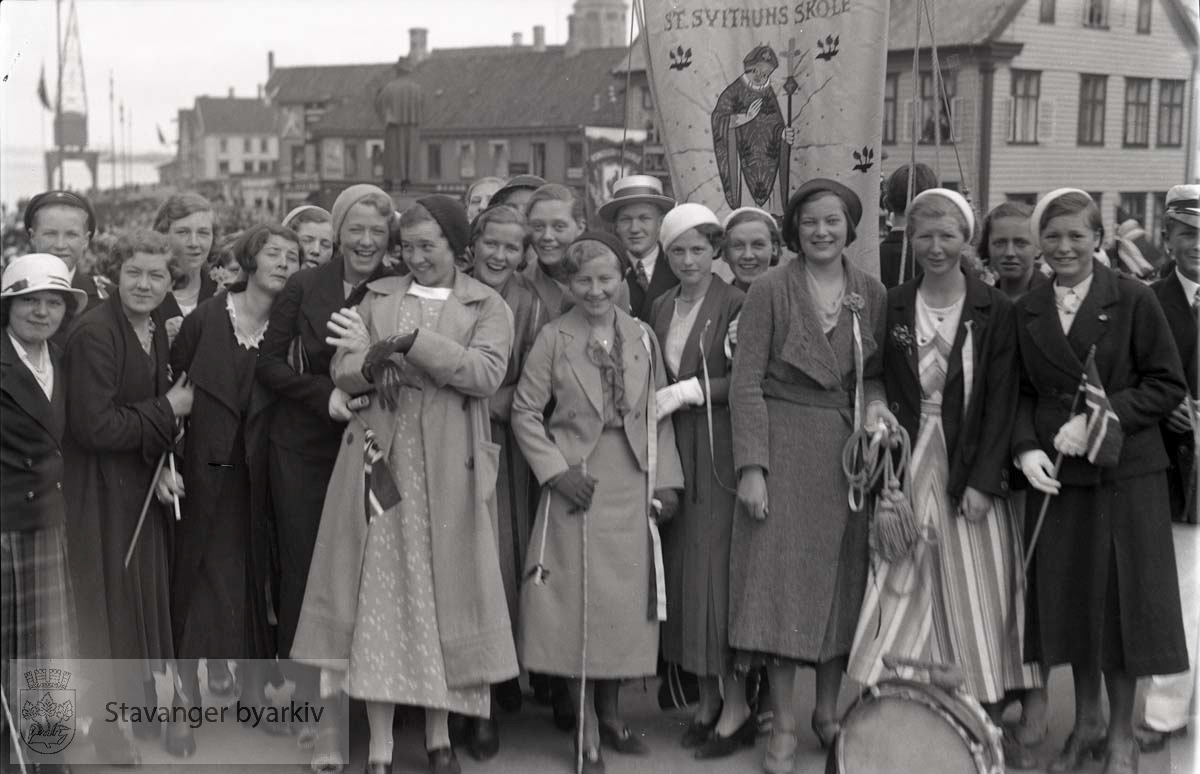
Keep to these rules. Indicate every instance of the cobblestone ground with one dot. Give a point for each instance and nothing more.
(531, 745)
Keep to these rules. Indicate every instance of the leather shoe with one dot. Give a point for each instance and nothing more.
(623, 740)
(180, 740)
(220, 680)
(377, 767)
(826, 730)
(443, 761)
(593, 761)
(1122, 759)
(484, 740)
(697, 733)
(719, 746)
(780, 756)
(1151, 740)
(1079, 748)
(1017, 756)
(508, 695)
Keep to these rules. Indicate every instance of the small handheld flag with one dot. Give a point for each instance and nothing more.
(379, 485)
(1104, 436)
(42, 93)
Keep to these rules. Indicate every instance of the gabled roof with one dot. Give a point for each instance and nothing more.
(957, 22)
(234, 115)
(492, 88)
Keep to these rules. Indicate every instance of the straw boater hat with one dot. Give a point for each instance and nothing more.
(1183, 204)
(635, 189)
(37, 272)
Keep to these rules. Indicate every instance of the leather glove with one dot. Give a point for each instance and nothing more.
(691, 392)
(668, 502)
(667, 400)
(382, 350)
(1071, 439)
(576, 486)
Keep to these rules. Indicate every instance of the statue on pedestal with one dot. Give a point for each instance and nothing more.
(398, 105)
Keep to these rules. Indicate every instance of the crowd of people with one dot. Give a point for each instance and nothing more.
(417, 456)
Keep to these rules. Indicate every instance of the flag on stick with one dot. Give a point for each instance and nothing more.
(1104, 436)
(43, 95)
(379, 485)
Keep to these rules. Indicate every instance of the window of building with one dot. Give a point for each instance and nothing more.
(498, 150)
(466, 159)
(433, 161)
(935, 107)
(264, 167)
(264, 145)
(1026, 92)
(350, 159)
(891, 88)
(223, 167)
(1170, 113)
(1046, 12)
(298, 167)
(1132, 205)
(1095, 13)
(1144, 9)
(223, 145)
(1137, 113)
(574, 155)
(247, 145)
(1154, 229)
(537, 159)
(1091, 109)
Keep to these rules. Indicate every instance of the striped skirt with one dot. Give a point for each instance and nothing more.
(958, 598)
(36, 595)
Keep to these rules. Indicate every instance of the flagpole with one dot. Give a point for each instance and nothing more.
(1058, 461)
(58, 92)
(112, 130)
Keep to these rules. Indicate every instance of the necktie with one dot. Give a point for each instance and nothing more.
(1069, 303)
(643, 279)
(1196, 301)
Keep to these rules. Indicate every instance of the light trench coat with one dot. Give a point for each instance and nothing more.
(459, 364)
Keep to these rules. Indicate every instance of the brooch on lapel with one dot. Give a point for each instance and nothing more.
(854, 302)
(902, 337)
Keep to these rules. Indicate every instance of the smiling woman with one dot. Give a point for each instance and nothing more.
(187, 220)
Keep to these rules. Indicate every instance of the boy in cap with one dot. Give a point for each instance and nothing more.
(636, 210)
(1169, 698)
(62, 224)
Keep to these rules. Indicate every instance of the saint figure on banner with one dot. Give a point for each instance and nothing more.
(751, 137)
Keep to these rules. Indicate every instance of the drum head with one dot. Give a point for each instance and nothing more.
(893, 734)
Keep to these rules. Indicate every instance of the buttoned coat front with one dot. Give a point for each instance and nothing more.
(460, 364)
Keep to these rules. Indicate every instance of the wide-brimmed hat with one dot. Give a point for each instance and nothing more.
(791, 235)
(635, 189)
(1183, 204)
(36, 272)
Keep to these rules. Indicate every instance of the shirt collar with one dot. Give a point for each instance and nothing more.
(649, 260)
(1189, 288)
(1081, 289)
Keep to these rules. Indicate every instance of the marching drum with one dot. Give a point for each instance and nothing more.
(909, 727)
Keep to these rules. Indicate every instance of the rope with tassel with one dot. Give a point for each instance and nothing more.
(878, 463)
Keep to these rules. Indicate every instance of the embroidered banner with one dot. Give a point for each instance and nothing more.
(757, 97)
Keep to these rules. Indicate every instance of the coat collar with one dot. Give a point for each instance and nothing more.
(635, 359)
(806, 346)
(210, 367)
(1091, 321)
(701, 334)
(977, 307)
(20, 384)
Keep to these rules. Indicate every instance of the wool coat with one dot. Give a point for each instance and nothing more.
(120, 423)
(460, 365)
(1181, 447)
(797, 577)
(1103, 584)
(696, 542)
(87, 283)
(221, 547)
(31, 435)
(977, 442)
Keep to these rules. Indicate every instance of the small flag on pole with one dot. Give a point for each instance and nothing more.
(1104, 436)
(43, 95)
(379, 485)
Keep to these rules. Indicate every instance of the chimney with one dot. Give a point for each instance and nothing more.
(231, 92)
(516, 40)
(270, 64)
(418, 45)
(572, 47)
(539, 38)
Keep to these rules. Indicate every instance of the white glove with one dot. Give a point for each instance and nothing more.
(1039, 470)
(690, 392)
(731, 337)
(668, 400)
(1071, 439)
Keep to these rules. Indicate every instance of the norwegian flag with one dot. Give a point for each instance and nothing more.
(1104, 434)
(379, 485)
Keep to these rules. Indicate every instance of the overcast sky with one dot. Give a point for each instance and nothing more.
(164, 53)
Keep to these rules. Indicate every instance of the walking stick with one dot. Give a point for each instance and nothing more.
(583, 646)
(12, 731)
(174, 494)
(145, 507)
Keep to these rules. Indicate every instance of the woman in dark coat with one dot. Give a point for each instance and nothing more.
(36, 607)
(122, 411)
(1104, 595)
(218, 593)
(691, 321)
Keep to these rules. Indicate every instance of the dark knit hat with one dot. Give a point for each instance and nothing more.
(60, 198)
(452, 217)
(532, 182)
(791, 235)
(609, 240)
